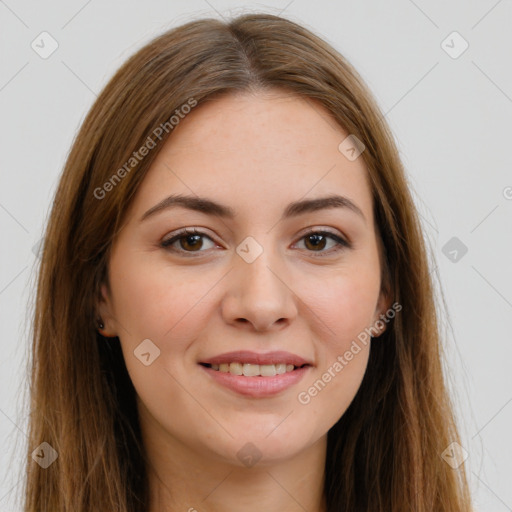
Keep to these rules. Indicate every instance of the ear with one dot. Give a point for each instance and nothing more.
(381, 320)
(381, 316)
(105, 313)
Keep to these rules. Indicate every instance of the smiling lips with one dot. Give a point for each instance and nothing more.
(269, 373)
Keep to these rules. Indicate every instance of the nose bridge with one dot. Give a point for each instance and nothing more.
(260, 274)
(256, 269)
(258, 290)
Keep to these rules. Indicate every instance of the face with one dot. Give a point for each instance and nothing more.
(269, 278)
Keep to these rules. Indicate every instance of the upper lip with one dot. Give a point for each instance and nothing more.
(246, 356)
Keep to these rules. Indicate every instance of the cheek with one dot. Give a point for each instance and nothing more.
(343, 348)
(158, 303)
(344, 308)
(344, 303)
(155, 301)
(335, 384)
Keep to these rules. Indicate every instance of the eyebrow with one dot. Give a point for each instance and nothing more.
(209, 207)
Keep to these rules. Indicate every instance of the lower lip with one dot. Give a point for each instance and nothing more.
(257, 387)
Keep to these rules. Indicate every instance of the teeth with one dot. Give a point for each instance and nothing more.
(253, 370)
(268, 370)
(235, 369)
(250, 370)
(281, 368)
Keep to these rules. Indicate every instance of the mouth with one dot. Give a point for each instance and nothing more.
(254, 380)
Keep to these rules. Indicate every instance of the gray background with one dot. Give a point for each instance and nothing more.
(451, 119)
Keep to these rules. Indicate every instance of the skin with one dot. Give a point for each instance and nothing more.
(254, 152)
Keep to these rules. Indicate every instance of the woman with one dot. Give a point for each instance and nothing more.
(234, 305)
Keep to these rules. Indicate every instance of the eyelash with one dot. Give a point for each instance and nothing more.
(341, 243)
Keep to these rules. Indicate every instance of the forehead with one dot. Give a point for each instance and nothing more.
(256, 150)
(256, 125)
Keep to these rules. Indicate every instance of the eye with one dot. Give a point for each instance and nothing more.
(190, 241)
(318, 240)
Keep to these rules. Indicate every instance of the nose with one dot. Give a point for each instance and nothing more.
(258, 295)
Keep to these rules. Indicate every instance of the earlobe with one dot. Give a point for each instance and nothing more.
(381, 318)
(104, 321)
(379, 327)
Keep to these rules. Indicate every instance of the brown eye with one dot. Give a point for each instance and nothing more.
(189, 241)
(316, 241)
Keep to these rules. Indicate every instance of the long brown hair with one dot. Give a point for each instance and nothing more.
(384, 454)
